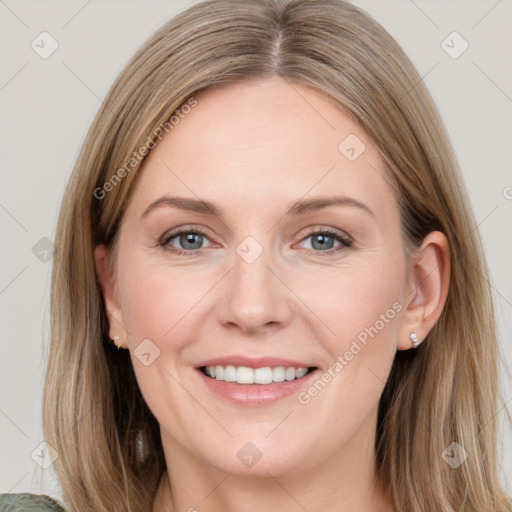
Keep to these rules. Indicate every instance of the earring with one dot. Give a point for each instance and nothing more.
(115, 340)
(414, 339)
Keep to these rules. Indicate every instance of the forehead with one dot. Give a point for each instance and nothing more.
(263, 143)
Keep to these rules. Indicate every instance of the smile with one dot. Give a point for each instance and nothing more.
(246, 375)
(255, 381)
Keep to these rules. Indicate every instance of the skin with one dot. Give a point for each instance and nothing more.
(254, 149)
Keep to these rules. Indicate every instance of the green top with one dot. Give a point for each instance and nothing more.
(25, 502)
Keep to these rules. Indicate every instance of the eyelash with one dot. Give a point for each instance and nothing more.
(345, 242)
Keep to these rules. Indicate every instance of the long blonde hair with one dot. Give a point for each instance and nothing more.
(110, 453)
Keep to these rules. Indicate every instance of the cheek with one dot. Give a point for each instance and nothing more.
(360, 306)
(160, 302)
(160, 305)
(360, 300)
(368, 304)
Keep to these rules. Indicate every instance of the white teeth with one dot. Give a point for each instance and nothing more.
(289, 373)
(278, 374)
(229, 373)
(245, 375)
(301, 372)
(263, 375)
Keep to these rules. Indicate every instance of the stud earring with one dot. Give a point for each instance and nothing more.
(115, 340)
(414, 339)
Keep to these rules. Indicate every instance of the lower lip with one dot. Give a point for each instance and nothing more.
(255, 394)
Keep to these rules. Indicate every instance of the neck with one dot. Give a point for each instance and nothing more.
(232, 494)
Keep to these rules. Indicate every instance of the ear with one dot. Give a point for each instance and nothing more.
(105, 273)
(428, 285)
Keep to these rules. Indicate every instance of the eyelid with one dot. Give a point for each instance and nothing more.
(319, 228)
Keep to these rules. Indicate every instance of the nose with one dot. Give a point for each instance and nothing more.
(252, 298)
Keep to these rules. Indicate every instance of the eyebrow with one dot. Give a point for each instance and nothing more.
(300, 207)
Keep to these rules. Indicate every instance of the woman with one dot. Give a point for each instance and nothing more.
(267, 220)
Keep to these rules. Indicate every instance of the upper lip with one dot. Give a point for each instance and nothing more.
(254, 362)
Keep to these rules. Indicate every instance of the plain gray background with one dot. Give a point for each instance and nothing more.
(48, 104)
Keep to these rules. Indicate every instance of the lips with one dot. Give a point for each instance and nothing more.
(254, 381)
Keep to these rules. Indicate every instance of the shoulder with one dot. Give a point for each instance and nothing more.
(25, 502)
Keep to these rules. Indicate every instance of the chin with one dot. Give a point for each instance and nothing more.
(258, 456)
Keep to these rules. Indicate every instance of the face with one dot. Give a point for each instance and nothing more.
(270, 281)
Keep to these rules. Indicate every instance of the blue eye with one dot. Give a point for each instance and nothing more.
(190, 242)
(323, 241)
